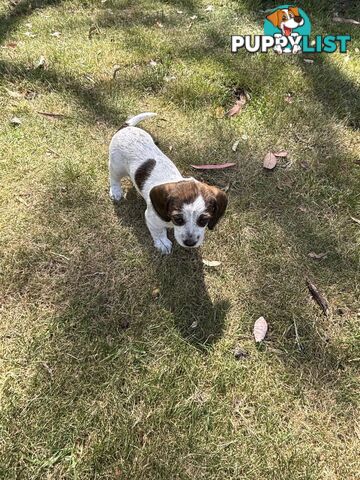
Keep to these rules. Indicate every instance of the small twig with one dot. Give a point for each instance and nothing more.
(60, 255)
(318, 297)
(297, 338)
(50, 114)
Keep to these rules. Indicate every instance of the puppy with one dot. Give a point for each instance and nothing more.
(286, 20)
(185, 204)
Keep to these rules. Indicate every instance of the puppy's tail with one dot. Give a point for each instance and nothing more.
(131, 122)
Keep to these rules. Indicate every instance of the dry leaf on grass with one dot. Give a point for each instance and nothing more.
(116, 68)
(238, 106)
(13, 94)
(55, 34)
(345, 20)
(270, 161)
(317, 256)
(260, 329)
(282, 153)
(356, 220)
(240, 353)
(289, 98)
(41, 62)
(211, 263)
(51, 114)
(308, 60)
(235, 145)
(209, 8)
(305, 165)
(11, 45)
(155, 293)
(30, 34)
(317, 296)
(15, 121)
(152, 63)
(217, 166)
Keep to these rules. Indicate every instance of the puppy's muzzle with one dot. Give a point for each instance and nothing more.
(190, 242)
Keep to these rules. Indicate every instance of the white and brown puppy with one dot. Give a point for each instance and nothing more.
(185, 204)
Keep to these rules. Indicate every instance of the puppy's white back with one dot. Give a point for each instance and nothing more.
(131, 147)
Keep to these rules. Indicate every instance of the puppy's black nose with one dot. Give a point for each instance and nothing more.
(189, 242)
(297, 19)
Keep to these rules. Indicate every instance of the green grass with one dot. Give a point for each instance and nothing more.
(100, 379)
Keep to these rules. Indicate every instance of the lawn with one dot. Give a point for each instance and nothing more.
(117, 363)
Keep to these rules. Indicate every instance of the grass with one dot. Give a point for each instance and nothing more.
(102, 379)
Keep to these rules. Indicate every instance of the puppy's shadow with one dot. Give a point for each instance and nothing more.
(180, 280)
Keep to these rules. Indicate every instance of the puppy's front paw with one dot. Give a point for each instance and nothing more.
(115, 194)
(164, 245)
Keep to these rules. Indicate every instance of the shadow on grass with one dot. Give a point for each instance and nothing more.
(180, 279)
(18, 11)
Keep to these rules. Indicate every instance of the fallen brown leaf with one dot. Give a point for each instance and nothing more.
(260, 329)
(218, 166)
(305, 165)
(211, 263)
(11, 45)
(317, 296)
(238, 106)
(282, 153)
(51, 114)
(345, 20)
(116, 68)
(317, 256)
(270, 161)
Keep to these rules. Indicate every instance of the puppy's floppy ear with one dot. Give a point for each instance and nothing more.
(295, 11)
(275, 18)
(160, 199)
(217, 203)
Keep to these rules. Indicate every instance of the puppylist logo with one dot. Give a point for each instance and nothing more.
(287, 30)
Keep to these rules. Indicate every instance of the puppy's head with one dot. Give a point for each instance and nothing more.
(286, 19)
(191, 206)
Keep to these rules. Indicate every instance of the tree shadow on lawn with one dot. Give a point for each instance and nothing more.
(20, 10)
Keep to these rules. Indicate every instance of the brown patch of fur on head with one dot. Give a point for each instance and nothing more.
(296, 13)
(169, 198)
(275, 18)
(143, 172)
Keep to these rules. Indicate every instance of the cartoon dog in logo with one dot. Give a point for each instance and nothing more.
(286, 20)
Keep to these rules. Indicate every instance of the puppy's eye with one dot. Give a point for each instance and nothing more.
(202, 221)
(284, 17)
(178, 220)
